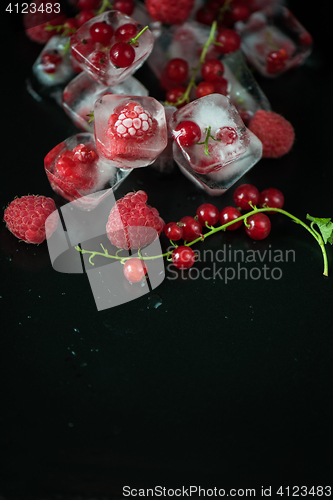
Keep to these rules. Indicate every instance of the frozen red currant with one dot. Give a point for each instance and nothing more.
(229, 40)
(101, 32)
(177, 70)
(276, 61)
(227, 135)
(207, 213)
(50, 61)
(192, 229)
(122, 54)
(135, 270)
(229, 214)
(212, 70)
(183, 257)
(271, 197)
(258, 226)
(125, 32)
(174, 231)
(187, 133)
(204, 88)
(244, 195)
(98, 60)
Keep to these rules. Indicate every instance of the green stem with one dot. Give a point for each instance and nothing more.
(134, 40)
(106, 5)
(186, 96)
(214, 230)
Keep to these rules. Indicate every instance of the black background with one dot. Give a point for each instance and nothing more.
(225, 385)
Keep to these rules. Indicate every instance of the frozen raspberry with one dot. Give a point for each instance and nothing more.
(171, 12)
(132, 223)
(25, 218)
(275, 132)
(131, 121)
(77, 167)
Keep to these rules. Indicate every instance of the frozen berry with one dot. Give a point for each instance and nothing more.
(101, 32)
(187, 133)
(122, 54)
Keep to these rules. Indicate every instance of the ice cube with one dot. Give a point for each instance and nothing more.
(94, 57)
(75, 170)
(217, 183)
(243, 90)
(79, 97)
(141, 15)
(220, 134)
(164, 163)
(130, 131)
(273, 40)
(52, 69)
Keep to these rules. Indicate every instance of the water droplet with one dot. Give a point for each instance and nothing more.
(155, 301)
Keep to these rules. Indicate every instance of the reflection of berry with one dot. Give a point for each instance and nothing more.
(132, 223)
(171, 12)
(25, 217)
(275, 132)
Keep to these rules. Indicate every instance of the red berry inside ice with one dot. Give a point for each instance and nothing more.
(271, 197)
(187, 133)
(177, 70)
(229, 214)
(212, 70)
(227, 135)
(244, 195)
(101, 32)
(131, 121)
(50, 61)
(183, 257)
(78, 167)
(125, 32)
(276, 61)
(135, 270)
(207, 213)
(258, 226)
(132, 223)
(122, 54)
(98, 60)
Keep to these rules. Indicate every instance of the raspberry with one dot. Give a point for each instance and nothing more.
(25, 218)
(77, 167)
(36, 22)
(275, 132)
(171, 12)
(132, 223)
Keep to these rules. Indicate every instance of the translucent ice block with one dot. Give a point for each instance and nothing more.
(141, 15)
(75, 170)
(243, 90)
(52, 69)
(274, 41)
(164, 163)
(223, 138)
(93, 57)
(81, 93)
(130, 131)
(217, 183)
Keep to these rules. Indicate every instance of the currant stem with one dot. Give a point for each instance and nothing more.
(106, 5)
(134, 40)
(186, 96)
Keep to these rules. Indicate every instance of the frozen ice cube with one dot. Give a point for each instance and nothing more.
(94, 58)
(164, 163)
(220, 134)
(75, 170)
(217, 183)
(130, 131)
(79, 97)
(274, 41)
(53, 65)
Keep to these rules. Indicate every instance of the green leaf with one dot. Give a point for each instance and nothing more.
(325, 226)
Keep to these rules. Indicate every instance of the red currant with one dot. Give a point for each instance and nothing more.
(174, 231)
(259, 226)
(88, 4)
(122, 54)
(276, 61)
(50, 61)
(205, 15)
(229, 214)
(212, 70)
(177, 70)
(83, 17)
(98, 60)
(101, 32)
(134, 270)
(125, 32)
(229, 40)
(183, 257)
(221, 86)
(271, 197)
(240, 12)
(244, 194)
(187, 133)
(192, 229)
(204, 88)
(173, 95)
(124, 6)
(208, 213)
